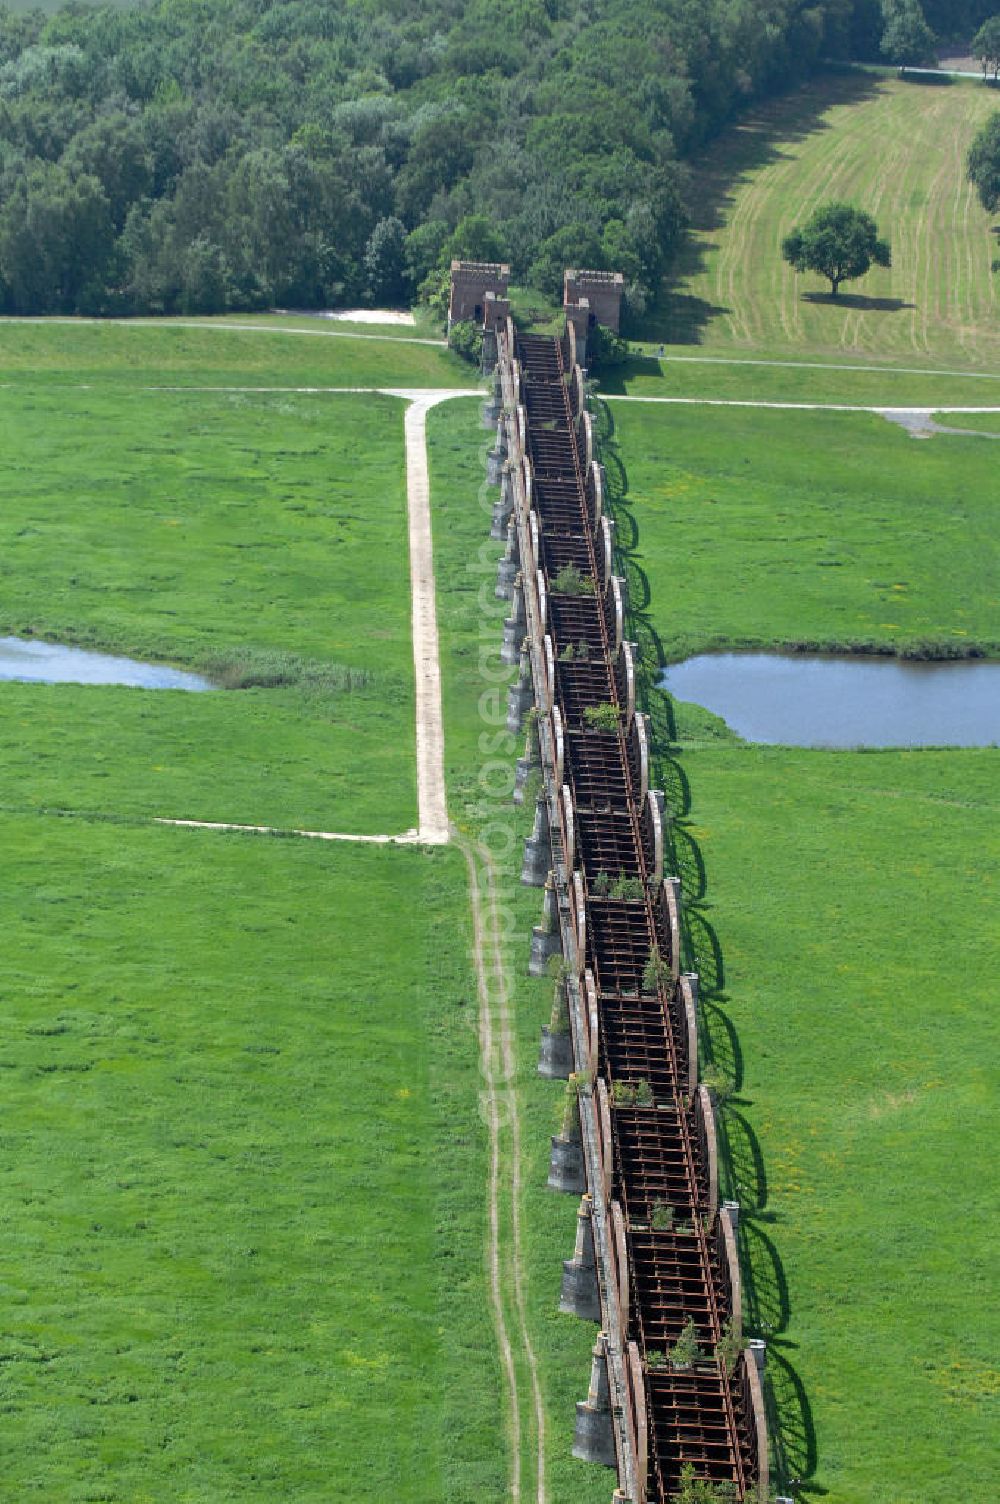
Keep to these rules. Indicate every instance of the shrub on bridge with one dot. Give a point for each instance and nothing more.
(601, 717)
(605, 349)
(466, 339)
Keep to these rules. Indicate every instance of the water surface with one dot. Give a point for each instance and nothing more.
(50, 663)
(818, 700)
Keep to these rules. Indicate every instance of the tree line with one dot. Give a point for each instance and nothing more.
(201, 155)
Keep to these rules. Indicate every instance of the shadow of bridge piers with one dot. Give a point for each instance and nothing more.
(742, 1172)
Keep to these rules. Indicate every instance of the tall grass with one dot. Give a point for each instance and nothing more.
(266, 668)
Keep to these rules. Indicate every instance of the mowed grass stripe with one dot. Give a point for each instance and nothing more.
(243, 1222)
(896, 149)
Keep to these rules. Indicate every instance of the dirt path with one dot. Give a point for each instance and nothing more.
(407, 838)
(808, 407)
(917, 421)
(431, 802)
(498, 1065)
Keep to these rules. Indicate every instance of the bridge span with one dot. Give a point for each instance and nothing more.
(656, 1262)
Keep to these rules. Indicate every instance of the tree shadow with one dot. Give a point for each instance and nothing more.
(743, 1174)
(615, 379)
(928, 76)
(858, 300)
(762, 137)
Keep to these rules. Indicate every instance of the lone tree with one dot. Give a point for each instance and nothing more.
(907, 39)
(986, 46)
(838, 241)
(984, 163)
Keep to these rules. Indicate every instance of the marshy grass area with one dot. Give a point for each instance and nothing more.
(753, 528)
(841, 908)
(216, 1106)
(839, 911)
(235, 534)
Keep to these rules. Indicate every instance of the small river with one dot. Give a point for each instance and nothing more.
(49, 663)
(819, 700)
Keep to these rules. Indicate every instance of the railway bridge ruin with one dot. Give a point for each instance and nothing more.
(656, 1261)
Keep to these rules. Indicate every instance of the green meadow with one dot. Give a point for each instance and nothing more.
(755, 528)
(839, 910)
(772, 376)
(987, 423)
(217, 1106)
(166, 353)
(229, 532)
(218, 1102)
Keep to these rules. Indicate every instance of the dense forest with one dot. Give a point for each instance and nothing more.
(198, 155)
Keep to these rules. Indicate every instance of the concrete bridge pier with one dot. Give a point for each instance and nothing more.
(497, 455)
(509, 566)
(535, 872)
(502, 507)
(525, 765)
(493, 406)
(515, 628)
(581, 1295)
(520, 696)
(546, 940)
(594, 1435)
(566, 1169)
(555, 1054)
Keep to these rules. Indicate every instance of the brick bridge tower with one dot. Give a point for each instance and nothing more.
(479, 294)
(591, 298)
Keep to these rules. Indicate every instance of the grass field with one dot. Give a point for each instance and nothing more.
(216, 1107)
(779, 378)
(846, 939)
(206, 528)
(978, 422)
(212, 353)
(193, 1310)
(840, 913)
(895, 148)
(807, 528)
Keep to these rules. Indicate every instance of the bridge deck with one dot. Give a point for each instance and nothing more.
(698, 1416)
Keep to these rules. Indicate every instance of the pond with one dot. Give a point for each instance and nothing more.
(50, 663)
(819, 700)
